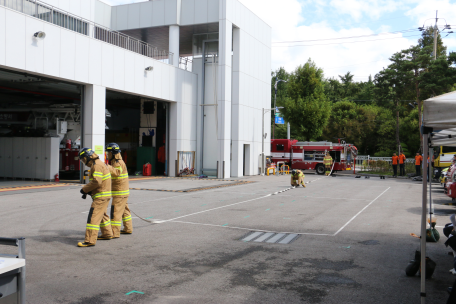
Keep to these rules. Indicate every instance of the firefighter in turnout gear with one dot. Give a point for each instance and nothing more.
(297, 178)
(99, 187)
(120, 192)
(328, 161)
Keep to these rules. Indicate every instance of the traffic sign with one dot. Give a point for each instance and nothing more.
(279, 120)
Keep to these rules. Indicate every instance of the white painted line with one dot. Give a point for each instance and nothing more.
(250, 229)
(250, 200)
(346, 224)
(183, 194)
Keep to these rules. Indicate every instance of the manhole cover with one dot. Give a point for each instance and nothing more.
(269, 237)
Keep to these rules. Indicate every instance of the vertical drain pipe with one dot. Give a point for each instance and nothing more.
(216, 170)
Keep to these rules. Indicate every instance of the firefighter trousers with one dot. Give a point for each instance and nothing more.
(98, 219)
(120, 213)
(298, 181)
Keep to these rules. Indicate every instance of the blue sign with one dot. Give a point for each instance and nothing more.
(279, 120)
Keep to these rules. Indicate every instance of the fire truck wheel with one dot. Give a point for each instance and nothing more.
(320, 169)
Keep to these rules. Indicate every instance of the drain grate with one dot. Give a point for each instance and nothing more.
(269, 237)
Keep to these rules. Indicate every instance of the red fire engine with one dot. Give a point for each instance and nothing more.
(309, 155)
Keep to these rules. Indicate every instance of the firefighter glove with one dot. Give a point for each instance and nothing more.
(82, 192)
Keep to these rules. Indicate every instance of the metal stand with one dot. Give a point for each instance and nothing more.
(17, 276)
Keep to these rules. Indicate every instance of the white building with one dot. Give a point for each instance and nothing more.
(200, 68)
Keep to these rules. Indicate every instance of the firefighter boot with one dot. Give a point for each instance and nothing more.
(85, 244)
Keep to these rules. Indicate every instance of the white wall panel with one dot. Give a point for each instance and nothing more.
(172, 84)
(67, 54)
(158, 12)
(113, 17)
(201, 11)
(81, 60)
(52, 49)
(122, 17)
(86, 9)
(107, 16)
(99, 12)
(165, 83)
(33, 47)
(64, 5)
(145, 14)
(75, 7)
(107, 63)
(139, 74)
(157, 75)
(53, 3)
(188, 12)
(170, 11)
(129, 71)
(15, 48)
(133, 16)
(149, 77)
(180, 76)
(95, 62)
(2, 35)
(118, 64)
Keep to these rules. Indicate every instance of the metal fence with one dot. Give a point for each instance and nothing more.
(80, 25)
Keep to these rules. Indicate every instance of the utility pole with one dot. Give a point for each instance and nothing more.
(435, 36)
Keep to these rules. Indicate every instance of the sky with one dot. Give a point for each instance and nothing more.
(387, 26)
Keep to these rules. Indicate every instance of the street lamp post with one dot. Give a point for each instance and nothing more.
(263, 136)
(275, 99)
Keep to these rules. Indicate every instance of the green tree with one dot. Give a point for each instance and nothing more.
(393, 86)
(306, 106)
(355, 123)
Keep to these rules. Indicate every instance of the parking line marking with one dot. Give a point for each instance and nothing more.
(250, 200)
(346, 224)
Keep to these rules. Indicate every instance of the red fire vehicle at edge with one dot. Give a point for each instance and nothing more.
(309, 155)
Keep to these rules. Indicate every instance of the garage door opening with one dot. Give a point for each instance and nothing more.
(40, 127)
(139, 127)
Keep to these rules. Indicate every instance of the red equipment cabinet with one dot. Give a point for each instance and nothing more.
(309, 155)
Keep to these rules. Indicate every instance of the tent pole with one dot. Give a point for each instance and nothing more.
(423, 220)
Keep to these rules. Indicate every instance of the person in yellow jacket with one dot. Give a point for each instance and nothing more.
(297, 178)
(327, 161)
(99, 187)
(120, 192)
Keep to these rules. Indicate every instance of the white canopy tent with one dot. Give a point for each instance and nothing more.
(439, 129)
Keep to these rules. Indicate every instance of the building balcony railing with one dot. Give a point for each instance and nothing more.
(80, 25)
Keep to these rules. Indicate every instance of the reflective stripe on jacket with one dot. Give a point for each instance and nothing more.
(119, 173)
(327, 160)
(100, 180)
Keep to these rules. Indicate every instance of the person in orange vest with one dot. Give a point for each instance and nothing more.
(395, 159)
(402, 164)
(418, 161)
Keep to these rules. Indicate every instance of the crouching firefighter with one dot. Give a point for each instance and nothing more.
(120, 192)
(99, 188)
(297, 178)
(328, 161)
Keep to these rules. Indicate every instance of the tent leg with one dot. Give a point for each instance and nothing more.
(423, 221)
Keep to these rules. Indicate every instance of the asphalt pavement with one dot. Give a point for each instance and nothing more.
(352, 243)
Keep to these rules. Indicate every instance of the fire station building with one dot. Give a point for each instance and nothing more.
(180, 84)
